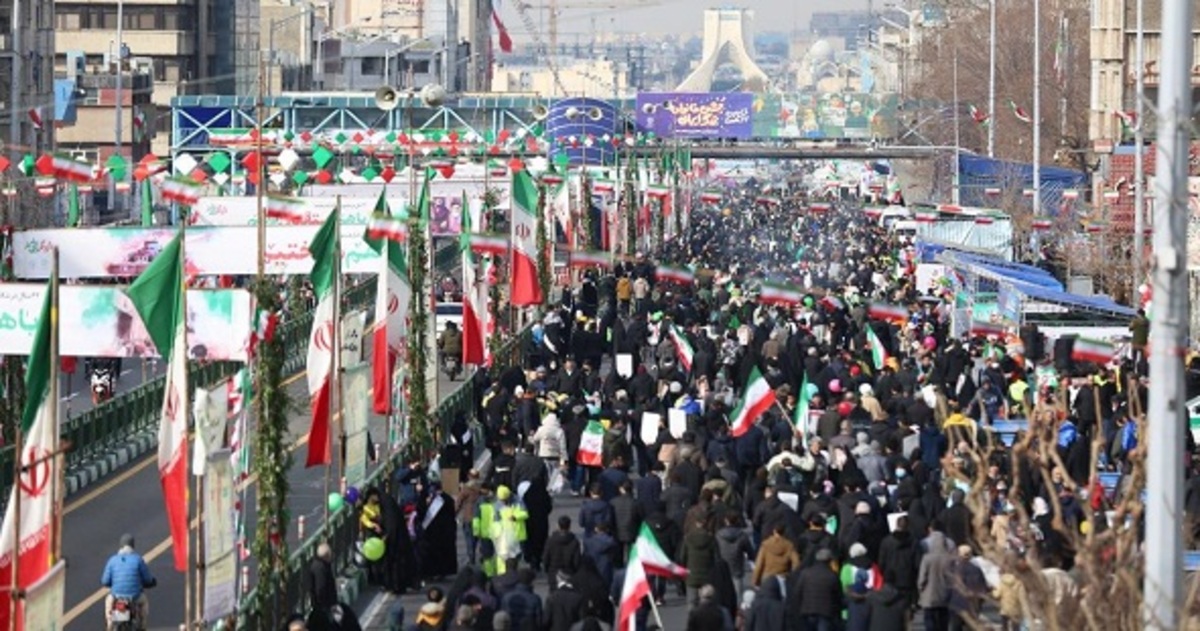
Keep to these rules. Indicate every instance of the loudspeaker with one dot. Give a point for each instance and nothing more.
(1062, 353)
(1034, 342)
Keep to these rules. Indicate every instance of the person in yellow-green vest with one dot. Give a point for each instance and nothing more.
(500, 528)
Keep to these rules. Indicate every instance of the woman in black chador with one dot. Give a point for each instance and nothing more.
(437, 547)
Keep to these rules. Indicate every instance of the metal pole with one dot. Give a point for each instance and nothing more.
(271, 52)
(1163, 585)
(1139, 175)
(955, 195)
(18, 79)
(991, 131)
(1037, 118)
(112, 181)
(261, 214)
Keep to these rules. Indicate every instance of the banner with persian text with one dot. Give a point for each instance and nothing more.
(220, 557)
(227, 250)
(696, 115)
(100, 321)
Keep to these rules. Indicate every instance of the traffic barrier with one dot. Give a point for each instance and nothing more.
(119, 431)
(340, 531)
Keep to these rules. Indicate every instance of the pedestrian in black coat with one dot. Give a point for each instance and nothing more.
(562, 551)
(814, 593)
(564, 605)
(707, 615)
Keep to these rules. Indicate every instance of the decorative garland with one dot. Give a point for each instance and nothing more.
(587, 241)
(545, 279)
(629, 206)
(420, 433)
(272, 460)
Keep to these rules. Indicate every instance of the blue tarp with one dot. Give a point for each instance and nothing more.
(1101, 304)
(978, 173)
(64, 101)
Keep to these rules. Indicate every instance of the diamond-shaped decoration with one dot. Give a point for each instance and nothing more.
(4, 163)
(341, 138)
(324, 177)
(289, 136)
(418, 138)
(357, 137)
(391, 137)
(288, 159)
(184, 163)
(198, 174)
(252, 161)
(386, 175)
(300, 178)
(220, 179)
(346, 175)
(370, 174)
(218, 161)
(322, 156)
(306, 136)
(278, 178)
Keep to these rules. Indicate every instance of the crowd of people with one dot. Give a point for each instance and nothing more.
(902, 495)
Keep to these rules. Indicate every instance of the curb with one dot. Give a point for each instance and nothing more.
(84, 475)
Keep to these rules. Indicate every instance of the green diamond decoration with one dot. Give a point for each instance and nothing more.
(288, 136)
(115, 161)
(341, 138)
(300, 178)
(219, 162)
(322, 156)
(562, 160)
(370, 173)
(391, 137)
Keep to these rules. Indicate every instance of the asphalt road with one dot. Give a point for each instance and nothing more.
(75, 395)
(130, 501)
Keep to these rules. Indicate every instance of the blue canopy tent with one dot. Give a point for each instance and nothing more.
(978, 173)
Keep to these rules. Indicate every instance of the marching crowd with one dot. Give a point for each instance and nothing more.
(878, 484)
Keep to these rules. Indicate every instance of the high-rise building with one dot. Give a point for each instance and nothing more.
(27, 76)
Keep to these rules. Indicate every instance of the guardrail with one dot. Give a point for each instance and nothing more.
(110, 424)
(341, 530)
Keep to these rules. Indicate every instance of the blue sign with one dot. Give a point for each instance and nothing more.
(696, 115)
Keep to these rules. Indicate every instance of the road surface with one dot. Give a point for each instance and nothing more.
(131, 502)
(75, 394)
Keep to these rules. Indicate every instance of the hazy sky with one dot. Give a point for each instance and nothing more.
(672, 16)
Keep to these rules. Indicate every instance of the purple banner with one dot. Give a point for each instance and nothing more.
(696, 115)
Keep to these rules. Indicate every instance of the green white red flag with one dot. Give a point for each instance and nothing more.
(286, 209)
(590, 258)
(324, 276)
(1094, 351)
(673, 274)
(64, 168)
(800, 416)
(493, 244)
(653, 558)
(185, 192)
(775, 294)
(393, 293)
(887, 312)
(756, 400)
(879, 354)
(525, 288)
(474, 295)
(591, 445)
(635, 588)
(158, 297)
(683, 348)
(35, 486)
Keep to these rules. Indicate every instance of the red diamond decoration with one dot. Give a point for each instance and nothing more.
(453, 150)
(453, 137)
(254, 134)
(306, 136)
(357, 138)
(4, 163)
(494, 150)
(515, 165)
(324, 177)
(199, 175)
(387, 174)
(251, 161)
(403, 139)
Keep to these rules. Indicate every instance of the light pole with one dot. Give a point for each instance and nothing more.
(117, 109)
(1139, 175)
(991, 131)
(1037, 117)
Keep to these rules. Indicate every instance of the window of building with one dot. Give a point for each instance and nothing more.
(419, 67)
(68, 21)
(140, 19)
(371, 66)
(173, 19)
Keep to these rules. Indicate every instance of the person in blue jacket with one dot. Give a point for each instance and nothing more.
(127, 576)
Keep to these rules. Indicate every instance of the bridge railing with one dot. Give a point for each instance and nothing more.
(93, 433)
(341, 530)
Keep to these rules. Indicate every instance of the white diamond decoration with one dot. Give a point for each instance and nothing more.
(221, 178)
(184, 163)
(418, 137)
(521, 133)
(278, 178)
(288, 159)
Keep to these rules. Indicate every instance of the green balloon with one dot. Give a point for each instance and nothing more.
(336, 502)
(373, 549)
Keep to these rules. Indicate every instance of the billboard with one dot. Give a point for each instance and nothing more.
(817, 116)
(100, 321)
(696, 115)
(224, 250)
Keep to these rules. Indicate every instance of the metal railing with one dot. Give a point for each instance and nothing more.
(341, 530)
(94, 432)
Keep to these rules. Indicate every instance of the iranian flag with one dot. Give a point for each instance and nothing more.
(833, 303)
(525, 289)
(767, 200)
(635, 588)
(590, 258)
(991, 190)
(925, 217)
(978, 115)
(158, 297)
(494, 244)
(474, 298)
(1020, 112)
(392, 296)
(986, 328)
(874, 212)
(710, 197)
(1070, 194)
(1041, 224)
(683, 348)
(820, 207)
(64, 168)
(658, 191)
(603, 186)
(785, 295)
(387, 228)
(287, 209)
(673, 274)
(591, 445)
(1095, 351)
(324, 277)
(180, 190)
(887, 312)
(757, 399)
(38, 427)
(800, 416)
(879, 354)
(950, 209)
(654, 560)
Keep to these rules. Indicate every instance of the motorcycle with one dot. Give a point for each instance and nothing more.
(124, 616)
(102, 385)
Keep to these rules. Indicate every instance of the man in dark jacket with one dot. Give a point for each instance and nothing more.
(627, 516)
(322, 587)
(594, 511)
(562, 550)
(523, 606)
(564, 606)
(707, 615)
(814, 595)
(898, 560)
(603, 550)
(698, 554)
(768, 613)
(648, 488)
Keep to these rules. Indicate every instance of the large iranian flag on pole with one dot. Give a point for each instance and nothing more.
(36, 499)
(683, 348)
(392, 296)
(653, 558)
(591, 445)
(473, 306)
(324, 250)
(757, 399)
(635, 588)
(158, 297)
(525, 288)
(879, 354)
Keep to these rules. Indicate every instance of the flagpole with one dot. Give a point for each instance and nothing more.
(955, 194)
(261, 229)
(991, 131)
(337, 343)
(15, 585)
(1037, 118)
(1139, 168)
(52, 408)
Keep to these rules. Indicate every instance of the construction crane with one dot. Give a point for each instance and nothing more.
(555, 7)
